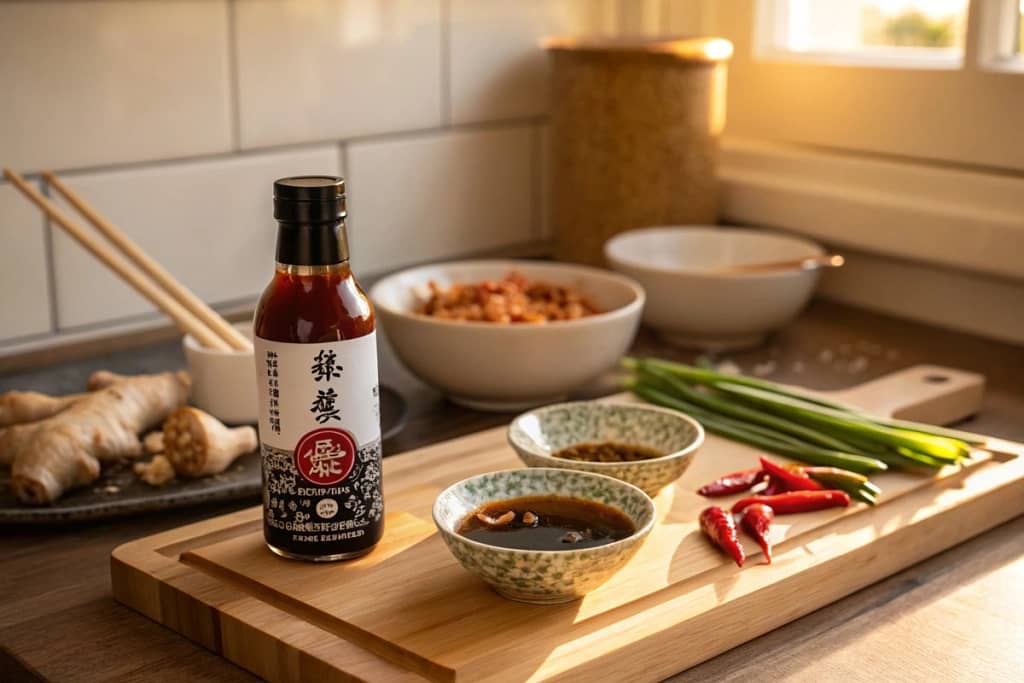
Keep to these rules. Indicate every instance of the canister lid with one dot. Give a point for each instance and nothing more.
(707, 49)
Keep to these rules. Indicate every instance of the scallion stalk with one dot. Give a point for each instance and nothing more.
(732, 430)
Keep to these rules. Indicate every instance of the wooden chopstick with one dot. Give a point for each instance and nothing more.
(158, 297)
(184, 296)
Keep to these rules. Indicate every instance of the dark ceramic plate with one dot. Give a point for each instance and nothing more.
(118, 492)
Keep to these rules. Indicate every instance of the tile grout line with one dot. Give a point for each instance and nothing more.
(234, 83)
(170, 162)
(115, 325)
(343, 163)
(536, 181)
(51, 266)
(446, 61)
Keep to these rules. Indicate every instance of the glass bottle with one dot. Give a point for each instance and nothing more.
(316, 367)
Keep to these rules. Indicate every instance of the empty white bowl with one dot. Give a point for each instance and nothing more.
(223, 382)
(691, 306)
(513, 366)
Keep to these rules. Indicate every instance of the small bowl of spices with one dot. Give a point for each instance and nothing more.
(541, 535)
(647, 446)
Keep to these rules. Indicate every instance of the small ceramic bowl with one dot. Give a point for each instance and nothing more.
(539, 433)
(541, 576)
(692, 305)
(223, 382)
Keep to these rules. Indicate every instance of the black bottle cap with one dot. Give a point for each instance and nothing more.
(309, 199)
(311, 215)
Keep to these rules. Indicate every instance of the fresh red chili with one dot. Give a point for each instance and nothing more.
(797, 501)
(719, 526)
(794, 481)
(756, 520)
(774, 487)
(736, 482)
(826, 475)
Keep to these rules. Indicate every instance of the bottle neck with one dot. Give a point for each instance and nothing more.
(312, 244)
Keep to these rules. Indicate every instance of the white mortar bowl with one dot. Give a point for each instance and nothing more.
(223, 382)
(515, 366)
(693, 307)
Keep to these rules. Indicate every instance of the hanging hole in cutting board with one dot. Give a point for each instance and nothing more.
(936, 379)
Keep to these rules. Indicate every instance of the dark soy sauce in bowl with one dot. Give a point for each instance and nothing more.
(546, 523)
(607, 451)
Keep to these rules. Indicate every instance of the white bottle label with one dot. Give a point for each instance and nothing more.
(321, 447)
(308, 388)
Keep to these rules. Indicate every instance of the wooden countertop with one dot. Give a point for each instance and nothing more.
(956, 616)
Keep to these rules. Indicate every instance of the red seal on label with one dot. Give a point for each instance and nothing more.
(325, 456)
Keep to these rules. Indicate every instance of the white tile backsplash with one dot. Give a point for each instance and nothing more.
(24, 290)
(328, 69)
(439, 196)
(173, 117)
(91, 83)
(498, 69)
(210, 223)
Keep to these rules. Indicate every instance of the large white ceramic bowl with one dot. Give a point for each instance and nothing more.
(515, 366)
(693, 307)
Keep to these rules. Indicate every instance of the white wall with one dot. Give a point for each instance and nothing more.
(173, 117)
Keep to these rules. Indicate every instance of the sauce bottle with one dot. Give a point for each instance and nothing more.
(316, 367)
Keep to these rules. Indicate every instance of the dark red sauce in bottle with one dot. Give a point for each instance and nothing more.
(306, 309)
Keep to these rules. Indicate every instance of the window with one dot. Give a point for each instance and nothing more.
(930, 80)
(1019, 43)
(1020, 30)
(892, 127)
(908, 32)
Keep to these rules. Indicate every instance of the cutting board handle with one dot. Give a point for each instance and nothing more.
(923, 393)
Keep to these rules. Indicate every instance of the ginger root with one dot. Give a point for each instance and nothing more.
(153, 443)
(66, 450)
(14, 438)
(17, 407)
(198, 444)
(101, 379)
(156, 472)
(20, 405)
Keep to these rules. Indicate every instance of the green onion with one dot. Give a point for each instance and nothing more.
(707, 376)
(796, 424)
(938, 448)
(738, 432)
(739, 411)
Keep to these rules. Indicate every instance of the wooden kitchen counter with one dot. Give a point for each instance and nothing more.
(956, 616)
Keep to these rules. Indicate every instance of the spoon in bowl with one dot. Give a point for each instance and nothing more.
(809, 263)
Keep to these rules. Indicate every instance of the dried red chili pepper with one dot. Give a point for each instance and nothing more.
(794, 481)
(756, 520)
(737, 482)
(719, 526)
(797, 501)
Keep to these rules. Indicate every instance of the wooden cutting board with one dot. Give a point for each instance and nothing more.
(408, 611)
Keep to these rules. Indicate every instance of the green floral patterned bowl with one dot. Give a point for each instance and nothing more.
(541, 576)
(539, 433)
